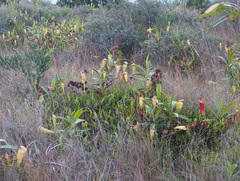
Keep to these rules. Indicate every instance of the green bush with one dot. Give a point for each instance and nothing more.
(198, 4)
(110, 30)
(33, 64)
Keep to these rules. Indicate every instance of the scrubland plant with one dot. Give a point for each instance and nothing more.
(134, 93)
(33, 63)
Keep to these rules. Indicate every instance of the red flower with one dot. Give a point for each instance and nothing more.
(118, 63)
(201, 103)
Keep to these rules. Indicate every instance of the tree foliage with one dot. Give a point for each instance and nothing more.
(225, 10)
(72, 3)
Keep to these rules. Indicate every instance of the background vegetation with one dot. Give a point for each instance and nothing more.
(118, 91)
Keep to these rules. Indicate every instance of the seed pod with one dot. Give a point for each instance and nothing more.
(21, 152)
(125, 66)
(44, 130)
(117, 68)
(154, 101)
(179, 105)
(152, 133)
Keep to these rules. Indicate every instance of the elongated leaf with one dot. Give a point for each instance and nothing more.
(227, 107)
(140, 67)
(53, 82)
(77, 121)
(231, 114)
(98, 72)
(212, 111)
(150, 111)
(153, 126)
(95, 79)
(234, 15)
(2, 140)
(230, 56)
(147, 64)
(144, 80)
(183, 117)
(223, 59)
(77, 114)
(217, 106)
(8, 147)
(150, 74)
(221, 105)
(224, 19)
(213, 7)
(158, 69)
(224, 116)
(58, 117)
(46, 91)
(174, 103)
(139, 74)
(163, 116)
(56, 78)
(209, 14)
(159, 91)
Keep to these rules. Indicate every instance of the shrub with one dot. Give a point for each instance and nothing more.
(33, 64)
(110, 30)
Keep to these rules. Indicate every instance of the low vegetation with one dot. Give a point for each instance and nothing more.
(118, 91)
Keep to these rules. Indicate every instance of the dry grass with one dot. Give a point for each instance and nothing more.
(130, 157)
(121, 156)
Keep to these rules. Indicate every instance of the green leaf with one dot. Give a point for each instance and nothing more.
(140, 67)
(53, 82)
(223, 19)
(212, 112)
(56, 78)
(183, 117)
(150, 111)
(164, 116)
(98, 72)
(147, 64)
(159, 91)
(59, 41)
(209, 14)
(234, 15)
(230, 56)
(153, 126)
(77, 121)
(221, 105)
(120, 54)
(139, 74)
(212, 8)
(58, 117)
(45, 90)
(77, 114)
(223, 59)
(8, 147)
(227, 107)
(174, 103)
(217, 106)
